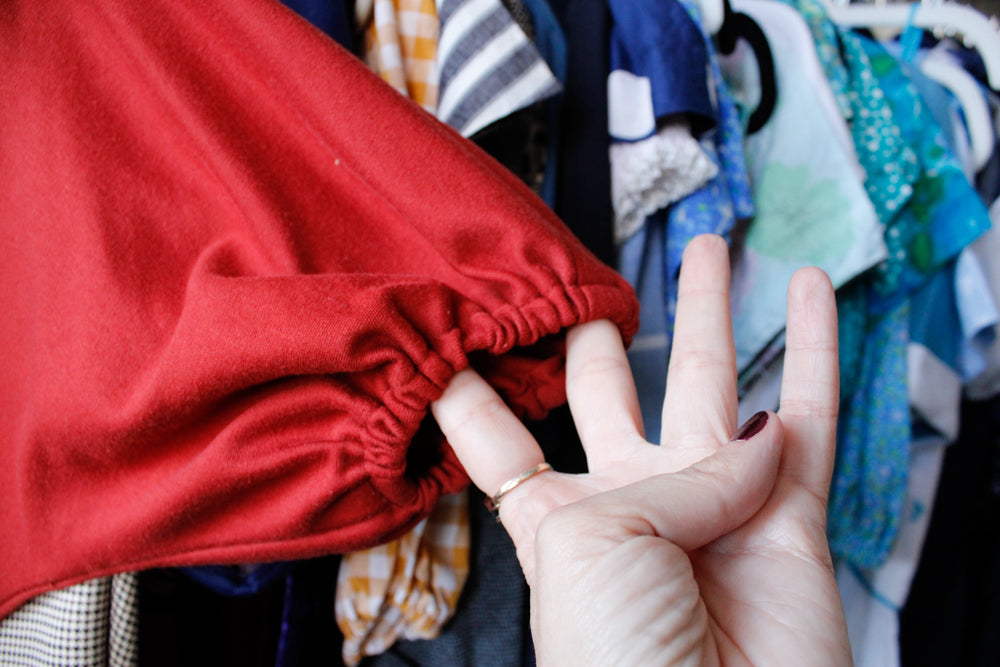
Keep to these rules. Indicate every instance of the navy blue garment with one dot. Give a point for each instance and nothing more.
(309, 633)
(331, 16)
(583, 198)
(237, 580)
(551, 43)
(185, 623)
(659, 40)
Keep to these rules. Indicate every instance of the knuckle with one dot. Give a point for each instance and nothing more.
(599, 366)
(700, 360)
(815, 408)
(482, 411)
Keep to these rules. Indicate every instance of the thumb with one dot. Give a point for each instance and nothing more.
(689, 508)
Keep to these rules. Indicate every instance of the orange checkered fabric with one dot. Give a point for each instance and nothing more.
(407, 589)
(401, 46)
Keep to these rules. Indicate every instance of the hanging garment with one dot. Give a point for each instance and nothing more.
(91, 624)
(488, 68)
(401, 47)
(231, 296)
(942, 216)
(812, 209)
(652, 173)
(872, 599)
(732, 184)
(727, 198)
(491, 627)
(902, 153)
(886, 469)
(868, 490)
(947, 110)
(583, 178)
(550, 41)
(948, 350)
(955, 308)
(657, 90)
(657, 48)
(183, 622)
(985, 384)
(407, 589)
(713, 209)
(331, 16)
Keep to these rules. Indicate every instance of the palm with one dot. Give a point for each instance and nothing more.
(783, 542)
(763, 577)
(770, 597)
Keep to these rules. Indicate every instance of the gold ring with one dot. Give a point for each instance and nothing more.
(493, 504)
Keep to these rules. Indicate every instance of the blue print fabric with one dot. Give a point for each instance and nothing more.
(726, 198)
(944, 213)
(713, 208)
(732, 184)
(930, 213)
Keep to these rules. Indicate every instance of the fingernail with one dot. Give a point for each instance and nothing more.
(752, 427)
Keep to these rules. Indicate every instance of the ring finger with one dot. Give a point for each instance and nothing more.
(492, 444)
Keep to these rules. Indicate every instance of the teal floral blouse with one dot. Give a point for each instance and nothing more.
(930, 212)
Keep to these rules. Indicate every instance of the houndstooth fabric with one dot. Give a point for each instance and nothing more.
(407, 589)
(123, 631)
(92, 624)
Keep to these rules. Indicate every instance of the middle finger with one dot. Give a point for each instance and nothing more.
(699, 411)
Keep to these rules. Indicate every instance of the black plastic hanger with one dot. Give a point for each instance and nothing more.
(736, 26)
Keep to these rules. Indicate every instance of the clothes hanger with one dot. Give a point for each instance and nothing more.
(965, 88)
(973, 26)
(736, 26)
(712, 15)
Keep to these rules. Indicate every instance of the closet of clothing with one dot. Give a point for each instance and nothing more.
(246, 163)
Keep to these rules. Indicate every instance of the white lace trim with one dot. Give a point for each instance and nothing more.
(650, 174)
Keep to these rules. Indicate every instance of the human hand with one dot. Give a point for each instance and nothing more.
(702, 551)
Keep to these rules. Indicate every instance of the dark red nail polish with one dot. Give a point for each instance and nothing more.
(752, 427)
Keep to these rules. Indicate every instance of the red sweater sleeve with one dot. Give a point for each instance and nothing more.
(235, 268)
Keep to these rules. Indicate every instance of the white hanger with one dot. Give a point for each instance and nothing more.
(712, 14)
(965, 88)
(965, 21)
